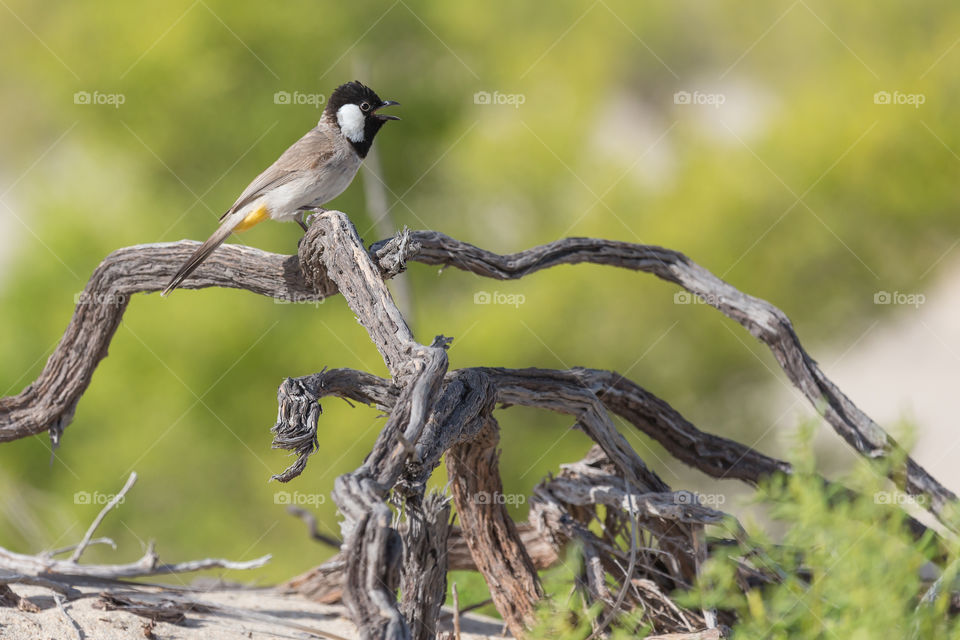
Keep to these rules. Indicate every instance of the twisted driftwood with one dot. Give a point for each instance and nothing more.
(434, 412)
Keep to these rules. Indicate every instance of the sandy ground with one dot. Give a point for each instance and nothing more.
(97, 624)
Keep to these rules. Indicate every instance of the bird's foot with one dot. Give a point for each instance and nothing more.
(305, 220)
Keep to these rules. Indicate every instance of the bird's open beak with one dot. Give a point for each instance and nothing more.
(383, 116)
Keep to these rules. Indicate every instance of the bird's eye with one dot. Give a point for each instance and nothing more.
(365, 106)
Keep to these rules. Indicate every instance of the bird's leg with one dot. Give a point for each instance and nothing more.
(300, 216)
(303, 215)
(302, 220)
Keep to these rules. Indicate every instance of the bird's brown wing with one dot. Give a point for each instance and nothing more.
(313, 149)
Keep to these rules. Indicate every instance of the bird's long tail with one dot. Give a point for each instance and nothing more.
(203, 252)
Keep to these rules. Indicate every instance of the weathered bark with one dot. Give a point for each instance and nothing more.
(568, 509)
(424, 571)
(324, 583)
(474, 470)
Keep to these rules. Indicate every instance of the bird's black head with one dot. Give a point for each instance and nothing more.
(353, 107)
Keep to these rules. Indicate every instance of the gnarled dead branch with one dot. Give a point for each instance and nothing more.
(433, 412)
(49, 402)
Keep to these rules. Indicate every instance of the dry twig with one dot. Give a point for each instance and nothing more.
(114, 501)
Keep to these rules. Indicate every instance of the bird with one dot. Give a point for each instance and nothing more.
(312, 171)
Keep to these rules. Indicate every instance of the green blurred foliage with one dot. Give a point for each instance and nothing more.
(799, 189)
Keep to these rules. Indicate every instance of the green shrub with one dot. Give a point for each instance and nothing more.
(852, 569)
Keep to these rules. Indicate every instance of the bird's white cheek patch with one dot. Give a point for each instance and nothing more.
(350, 119)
